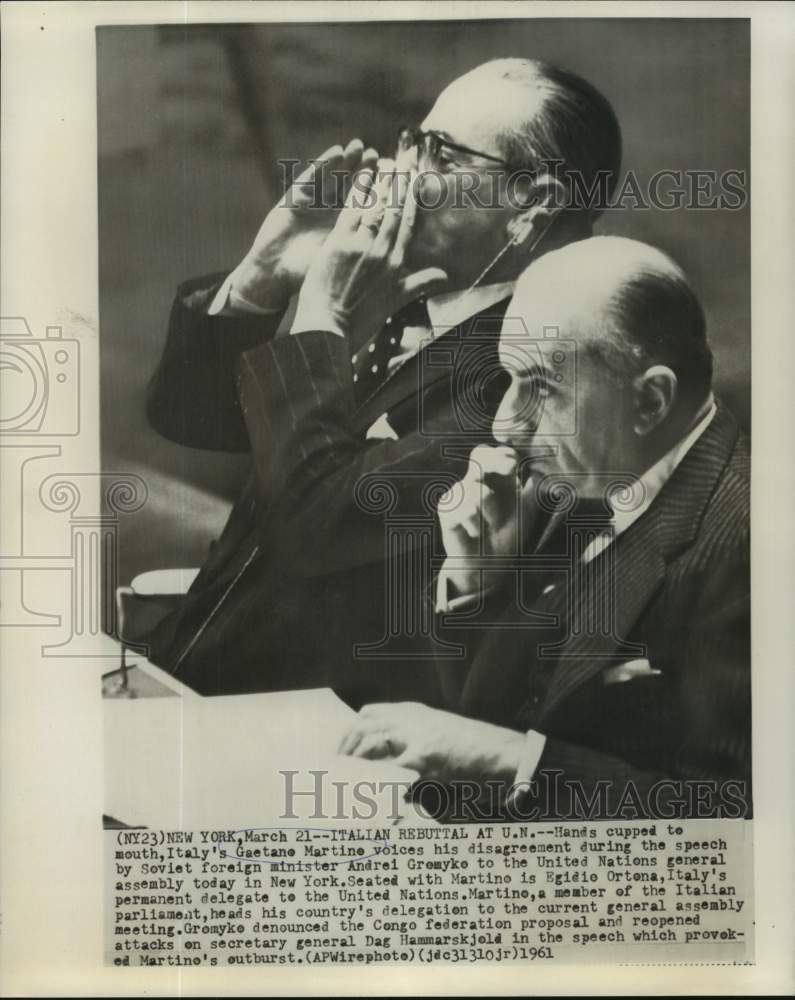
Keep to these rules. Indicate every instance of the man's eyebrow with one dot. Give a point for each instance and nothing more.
(446, 137)
(529, 368)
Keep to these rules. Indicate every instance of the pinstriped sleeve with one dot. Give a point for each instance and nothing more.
(298, 399)
(192, 396)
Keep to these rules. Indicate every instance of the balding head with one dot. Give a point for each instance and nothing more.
(517, 132)
(544, 114)
(626, 302)
(606, 346)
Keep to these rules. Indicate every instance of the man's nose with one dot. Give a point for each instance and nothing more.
(507, 428)
(515, 421)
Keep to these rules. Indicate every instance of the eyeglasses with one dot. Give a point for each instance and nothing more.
(429, 145)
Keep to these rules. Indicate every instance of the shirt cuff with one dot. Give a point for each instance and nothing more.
(309, 318)
(534, 744)
(445, 603)
(532, 751)
(229, 302)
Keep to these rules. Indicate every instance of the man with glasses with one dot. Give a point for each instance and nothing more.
(340, 415)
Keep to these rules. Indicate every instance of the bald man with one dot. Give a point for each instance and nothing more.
(597, 563)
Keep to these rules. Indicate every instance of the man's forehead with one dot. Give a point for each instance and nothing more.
(479, 107)
(551, 316)
(522, 351)
(554, 300)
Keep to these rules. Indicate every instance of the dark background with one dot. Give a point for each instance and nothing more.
(191, 121)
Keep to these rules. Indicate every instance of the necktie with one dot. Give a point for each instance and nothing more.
(371, 361)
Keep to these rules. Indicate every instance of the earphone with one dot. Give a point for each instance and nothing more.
(513, 241)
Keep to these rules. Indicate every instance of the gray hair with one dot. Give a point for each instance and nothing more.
(636, 306)
(659, 320)
(575, 127)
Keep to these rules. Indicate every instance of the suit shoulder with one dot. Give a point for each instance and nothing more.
(733, 490)
(727, 519)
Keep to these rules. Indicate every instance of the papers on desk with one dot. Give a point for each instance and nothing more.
(215, 763)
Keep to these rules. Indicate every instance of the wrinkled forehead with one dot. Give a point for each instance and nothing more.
(478, 111)
(550, 322)
(545, 355)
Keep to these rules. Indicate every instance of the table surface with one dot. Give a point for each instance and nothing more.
(177, 760)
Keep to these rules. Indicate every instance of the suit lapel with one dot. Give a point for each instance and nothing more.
(603, 601)
(610, 594)
(416, 374)
(402, 383)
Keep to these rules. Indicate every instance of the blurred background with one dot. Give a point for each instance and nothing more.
(191, 122)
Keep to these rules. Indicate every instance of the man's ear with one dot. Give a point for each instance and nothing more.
(535, 203)
(655, 395)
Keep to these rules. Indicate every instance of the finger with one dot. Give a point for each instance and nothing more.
(394, 201)
(352, 154)
(469, 514)
(486, 460)
(471, 524)
(507, 492)
(350, 741)
(334, 167)
(451, 500)
(358, 731)
(369, 158)
(383, 197)
(354, 158)
(356, 204)
(375, 747)
(412, 759)
(457, 540)
(367, 721)
(496, 508)
(429, 281)
(331, 156)
(406, 160)
(500, 473)
(483, 504)
(374, 709)
(385, 175)
(408, 218)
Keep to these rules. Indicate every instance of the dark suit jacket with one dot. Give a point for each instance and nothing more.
(680, 580)
(314, 511)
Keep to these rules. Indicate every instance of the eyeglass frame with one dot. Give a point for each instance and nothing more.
(418, 135)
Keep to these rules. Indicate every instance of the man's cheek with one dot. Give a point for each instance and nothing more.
(546, 417)
(429, 229)
(433, 192)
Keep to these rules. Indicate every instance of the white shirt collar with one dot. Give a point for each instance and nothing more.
(451, 308)
(644, 491)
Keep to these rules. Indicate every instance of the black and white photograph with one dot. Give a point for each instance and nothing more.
(449, 413)
(413, 581)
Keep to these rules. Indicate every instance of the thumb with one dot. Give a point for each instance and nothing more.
(429, 281)
(409, 759)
